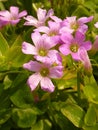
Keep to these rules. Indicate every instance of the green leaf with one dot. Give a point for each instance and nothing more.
(4, 115)
(3, 45)
(7, 82)
(22, 98)
(90, 117)
(95, 127)
(74, 113)
(91, 89)
(42, 125)
(24, 117)
(80, 11)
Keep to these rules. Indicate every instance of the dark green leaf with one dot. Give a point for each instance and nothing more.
(90, 117)
(24, 117)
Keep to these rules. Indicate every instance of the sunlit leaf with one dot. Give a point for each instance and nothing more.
(74, 113)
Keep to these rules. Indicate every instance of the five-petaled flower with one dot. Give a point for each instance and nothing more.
(73, 44)
(42, 16)
(71, 24)
(13, 16)
(42, 48)
(43, 74)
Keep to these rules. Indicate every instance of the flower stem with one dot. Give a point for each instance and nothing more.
(78, 85)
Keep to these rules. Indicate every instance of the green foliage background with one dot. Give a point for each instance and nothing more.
(65, 109)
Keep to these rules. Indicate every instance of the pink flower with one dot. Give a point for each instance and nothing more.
(13, 16)
(85, 60)
(42, 48)
(72, 44)
(42, 16)
(71, 24)
(52, 30)
(43, 74)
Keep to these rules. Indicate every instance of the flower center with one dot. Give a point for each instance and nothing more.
(74, 48)
(42, 52)
(52, 33)
(44, 72)
(74, 25)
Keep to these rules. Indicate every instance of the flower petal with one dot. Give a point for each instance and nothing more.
(28, 48)
(14, 10)
(85, 19)
(41, 14)
(47, 85)
(56, 72)
(64, 49)
(32, 66)
(35, 37)
(31, 21)
(33, 81)
(22, 14)
(87, 45)
(43, 29)
(66, 38)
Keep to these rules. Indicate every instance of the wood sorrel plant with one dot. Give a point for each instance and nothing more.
(48, 71)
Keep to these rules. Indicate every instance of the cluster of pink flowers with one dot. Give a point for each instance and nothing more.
(51, 38)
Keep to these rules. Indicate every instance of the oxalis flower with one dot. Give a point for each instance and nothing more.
(52, 30)
(42, 48)
(71, 24)
(43, 74)
(42, 16)
(13, 16)
(72, 44)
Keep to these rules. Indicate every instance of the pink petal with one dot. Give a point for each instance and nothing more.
(41, 14)
(55, 57)
(75, 56)
(31, 21)
(65, 49)
(66, 30)
(35, 37)
(43, 29)
(66, 38)
(56, 72)
(6, 14)
(22, 14)
(87, 45)
(14, 10)
(79, 37)
(85, 19)
(41, 58)
(83, 29)
(50, 13)
(85, 60)
(56, 19)
(47, 85)
(33, 81)
(32, 66)
(70, 19)
(28, 48)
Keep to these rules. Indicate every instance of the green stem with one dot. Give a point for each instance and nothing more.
(78, 85)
